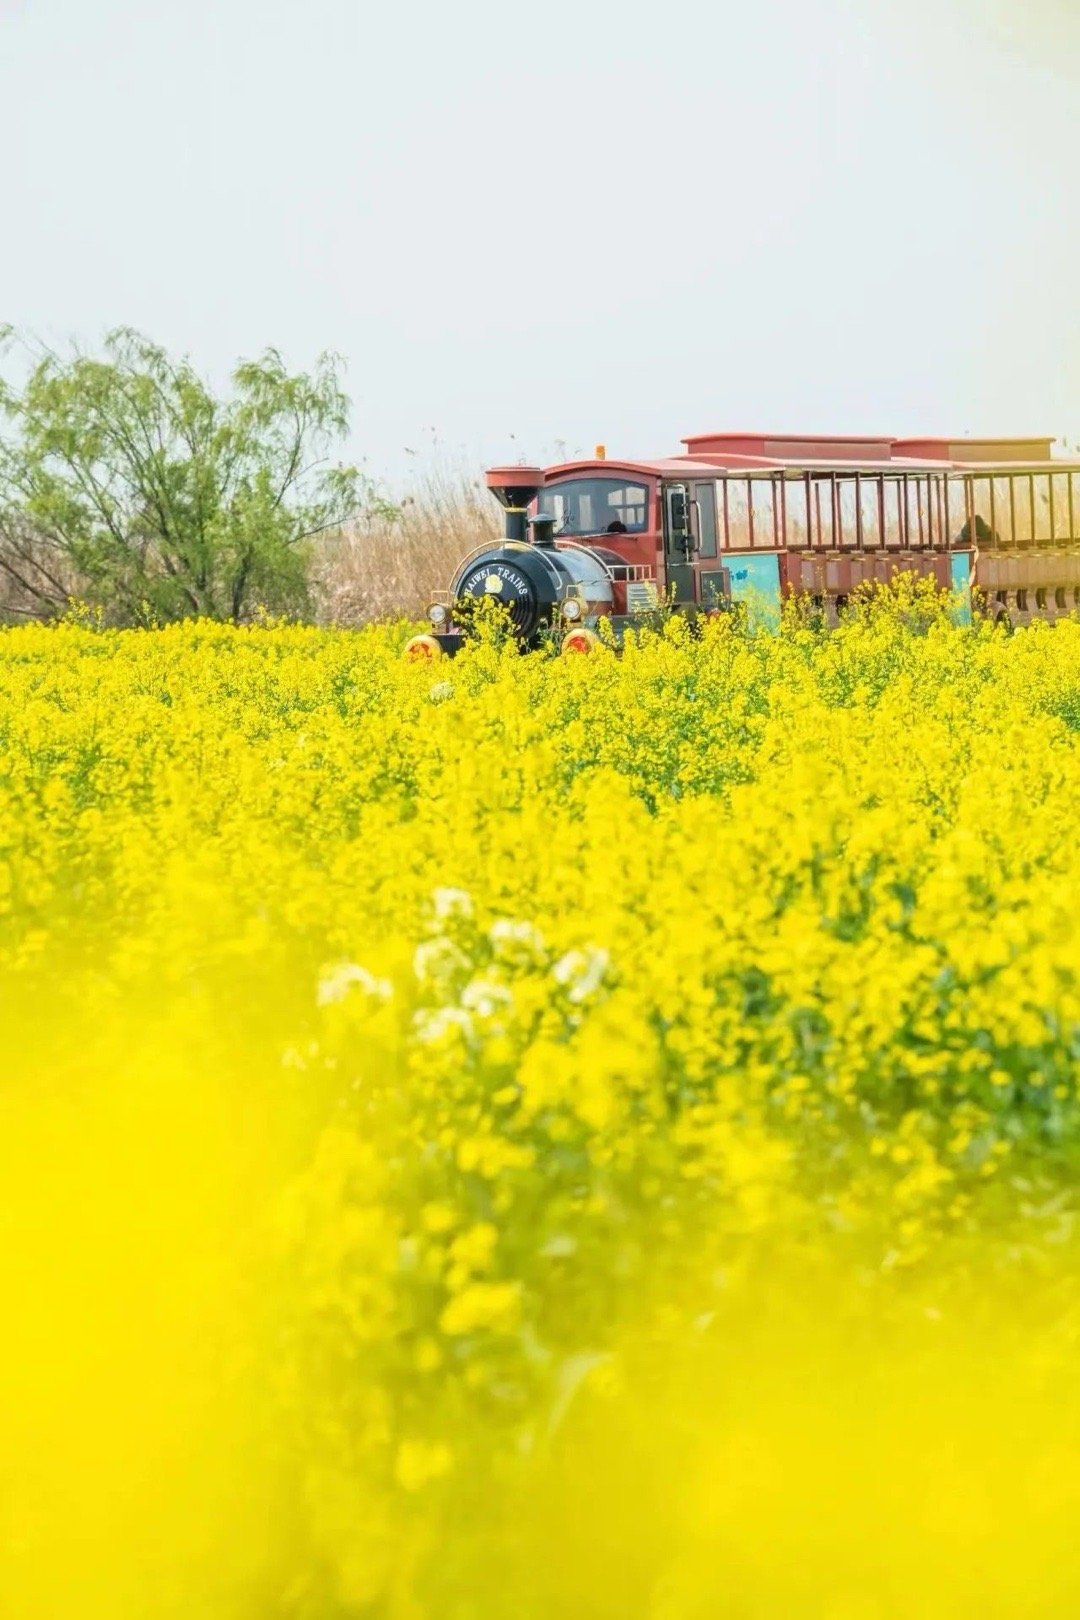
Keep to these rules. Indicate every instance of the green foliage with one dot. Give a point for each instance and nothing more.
(127, 476)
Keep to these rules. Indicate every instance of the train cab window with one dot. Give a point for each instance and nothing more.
(596, 506)
(705, 506)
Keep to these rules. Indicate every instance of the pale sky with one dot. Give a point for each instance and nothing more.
(532, 228)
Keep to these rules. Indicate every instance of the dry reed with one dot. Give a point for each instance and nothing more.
(388, 564)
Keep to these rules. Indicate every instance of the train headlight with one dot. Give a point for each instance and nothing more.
(438, 614)
(571, 609)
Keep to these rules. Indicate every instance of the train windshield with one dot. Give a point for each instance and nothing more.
(596, 506)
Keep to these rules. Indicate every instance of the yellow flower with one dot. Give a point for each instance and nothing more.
(436, 1217)
(381, 1072)
(418, 1462)
(488, 1307)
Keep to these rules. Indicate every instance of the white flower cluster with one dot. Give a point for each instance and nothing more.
(450, 903)
(486, 997)
(432, 1023)
(515, 941)
(336, 982)
(581, 972)
(438, 959)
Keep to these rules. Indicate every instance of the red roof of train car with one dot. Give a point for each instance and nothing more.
(967, 451)
(792, 446)
(759, 452)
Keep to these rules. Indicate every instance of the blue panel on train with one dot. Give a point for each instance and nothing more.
(960, 584)
(756, 581)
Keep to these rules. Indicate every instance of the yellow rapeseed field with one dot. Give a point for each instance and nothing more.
(526, 1137)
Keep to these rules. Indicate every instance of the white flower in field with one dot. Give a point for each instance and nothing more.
(336, 982)
(581, 972)
(432, 1024)
(486, 997)
(511, 937)
(440, 692)
(452, 903)
(560, 1246)
(438, 958)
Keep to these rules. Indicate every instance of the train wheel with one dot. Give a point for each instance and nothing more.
(422, 649)
(580, 641)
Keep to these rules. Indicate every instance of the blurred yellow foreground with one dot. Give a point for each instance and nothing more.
(574, 1138)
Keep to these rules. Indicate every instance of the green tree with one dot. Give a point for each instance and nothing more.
(125, 479)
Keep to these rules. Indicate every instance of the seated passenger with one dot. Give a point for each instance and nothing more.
(984, 534)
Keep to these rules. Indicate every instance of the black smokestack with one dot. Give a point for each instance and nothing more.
(515, 488)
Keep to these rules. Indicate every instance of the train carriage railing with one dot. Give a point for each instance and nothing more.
(897, 510)
(834, 530)
(1026, 527)
(821, 511)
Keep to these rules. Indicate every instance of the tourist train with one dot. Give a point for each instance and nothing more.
(742, 518)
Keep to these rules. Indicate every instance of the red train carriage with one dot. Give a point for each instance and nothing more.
(752, 518)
